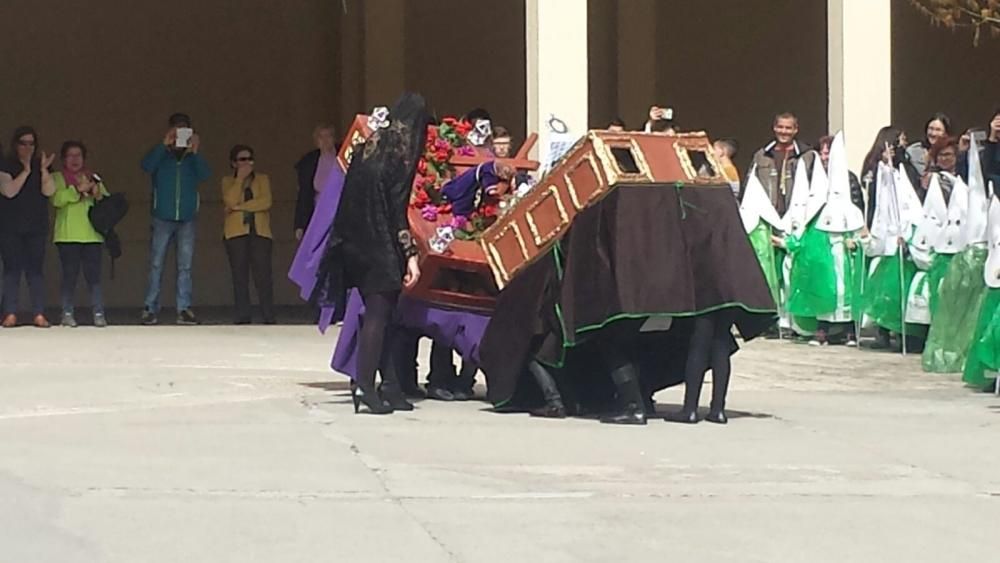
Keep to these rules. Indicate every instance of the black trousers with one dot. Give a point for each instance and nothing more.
(251, 254)
(23, 254)
(76, 256)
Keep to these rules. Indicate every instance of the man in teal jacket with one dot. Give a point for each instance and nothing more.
(176, 169)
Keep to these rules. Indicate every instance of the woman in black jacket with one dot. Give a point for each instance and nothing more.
(25, 185)
(370, 246)
(312, 171)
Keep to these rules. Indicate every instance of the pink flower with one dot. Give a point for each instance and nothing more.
(429, 213)
(459, 222)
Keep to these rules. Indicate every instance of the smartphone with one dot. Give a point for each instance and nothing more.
(979, 135)
(184, 137)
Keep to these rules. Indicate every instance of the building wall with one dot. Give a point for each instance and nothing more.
(725, 68)
(938, 69)
(111, 72)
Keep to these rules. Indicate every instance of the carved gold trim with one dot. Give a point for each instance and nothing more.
(603, 145)
(682, 146)
(552, 192)
(513, 226)
(571, 187)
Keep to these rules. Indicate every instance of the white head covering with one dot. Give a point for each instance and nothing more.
(819, 190)
(931, 227)
(756, 206)
(992, 271)
(911, 209)
(796, 215)
(952, 239)
(979, 202)
(840, 215)
(886, 226)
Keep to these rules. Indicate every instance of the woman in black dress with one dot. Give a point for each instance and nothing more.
(370, 246)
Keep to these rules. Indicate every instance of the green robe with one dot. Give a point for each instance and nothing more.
(886, 290)
(760, 240)
(984, 355)
(939, 267)
(959, 301)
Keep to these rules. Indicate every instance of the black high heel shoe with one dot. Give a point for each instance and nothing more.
(370, 399)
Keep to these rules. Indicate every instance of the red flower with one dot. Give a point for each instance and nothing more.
(450, 121)
(490, 210)
(442, 155)
(463, 127)
(420, 198)
(422, 167)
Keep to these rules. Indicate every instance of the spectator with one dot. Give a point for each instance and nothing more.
(25, 184)
(502, 147)
(176, 169)
(661, 120)
(991, 153)
(312, 171)
(247, 232)
(79, 245)
(617, 125)
(776, 161)
(890, 143)
(939, 125)
(725, 151)
(943, 157)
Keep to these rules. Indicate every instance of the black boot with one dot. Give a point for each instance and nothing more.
(632, 410)
(882, 339)
(550, 391)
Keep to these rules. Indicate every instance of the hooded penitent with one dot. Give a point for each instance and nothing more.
(984, 355)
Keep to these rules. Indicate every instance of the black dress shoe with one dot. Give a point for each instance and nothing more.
(550, 411)
(463, 395)
(683, 417)
(439, 394)
(718, 417)
(632, 414)
(414, 393)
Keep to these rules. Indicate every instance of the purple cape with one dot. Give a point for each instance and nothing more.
(459, 330)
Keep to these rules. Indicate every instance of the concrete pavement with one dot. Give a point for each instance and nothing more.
(226, 444)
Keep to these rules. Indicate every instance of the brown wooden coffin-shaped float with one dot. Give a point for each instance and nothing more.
(595, 165)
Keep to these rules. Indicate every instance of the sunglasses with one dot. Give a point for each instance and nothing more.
(245, 159)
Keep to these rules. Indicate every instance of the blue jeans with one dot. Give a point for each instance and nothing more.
(162, 233)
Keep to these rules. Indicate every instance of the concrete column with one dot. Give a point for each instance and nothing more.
(637, 61)
(556, 66)
(385, 50)
(859, 38)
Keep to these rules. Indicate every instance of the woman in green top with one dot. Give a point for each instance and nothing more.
(79, 245)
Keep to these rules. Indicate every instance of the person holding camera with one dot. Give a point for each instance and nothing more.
(991, 153)
(78, 243)
(247, 233)
(25, 185)
(176, 169)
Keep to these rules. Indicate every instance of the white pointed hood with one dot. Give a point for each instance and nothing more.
(756, 206)
(819, 189)
(840, 215)
(952, 239)
(992, 271)
(975, 228)
(796, 216)
(931, 227)
(911, 209)
(885, 226)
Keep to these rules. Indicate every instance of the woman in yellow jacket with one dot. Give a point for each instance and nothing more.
(247, 233)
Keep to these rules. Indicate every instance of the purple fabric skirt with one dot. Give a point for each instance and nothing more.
(459, 330)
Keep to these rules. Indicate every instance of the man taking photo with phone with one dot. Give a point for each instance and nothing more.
(176, 169)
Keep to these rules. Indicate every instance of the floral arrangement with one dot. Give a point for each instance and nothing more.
(434, 169)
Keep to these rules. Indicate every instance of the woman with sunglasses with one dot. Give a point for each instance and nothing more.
(25, 186)
(247, 233)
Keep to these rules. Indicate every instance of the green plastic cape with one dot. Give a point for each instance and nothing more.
(939, 267)
(884, 294)
(760, 240)
(960, 299)
(984, 355)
